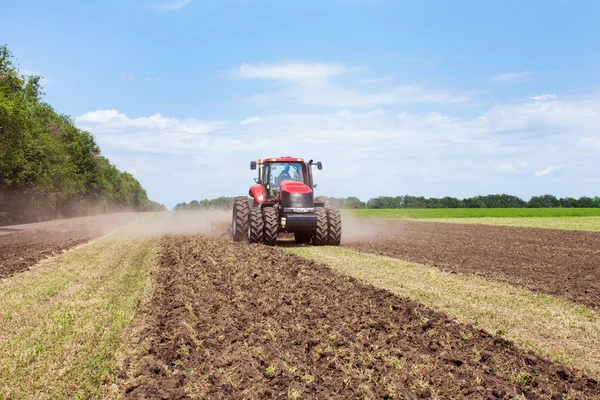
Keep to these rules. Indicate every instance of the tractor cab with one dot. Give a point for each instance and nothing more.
(281, 175)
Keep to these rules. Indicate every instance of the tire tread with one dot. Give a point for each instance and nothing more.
(334, 220)
(256, 226)
(271, 226)
(241, 212)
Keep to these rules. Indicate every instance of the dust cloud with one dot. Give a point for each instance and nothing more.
(205, 222)
(356, 229)
(216, 223)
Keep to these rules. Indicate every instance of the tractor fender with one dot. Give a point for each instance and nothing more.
(258, 193)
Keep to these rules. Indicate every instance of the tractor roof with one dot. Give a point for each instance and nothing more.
(283, 159)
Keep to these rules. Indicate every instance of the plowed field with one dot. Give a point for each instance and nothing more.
(229, 320)
(22, 246)
(557, 262)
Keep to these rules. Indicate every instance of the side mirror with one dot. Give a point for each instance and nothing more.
(319, 165)
(252, 165)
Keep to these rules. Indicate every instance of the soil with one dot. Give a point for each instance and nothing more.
(557, 262)
(231, 320)
(22, 246)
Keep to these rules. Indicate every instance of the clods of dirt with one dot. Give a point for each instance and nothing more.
(230, 320)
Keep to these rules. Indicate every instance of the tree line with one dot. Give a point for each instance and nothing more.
(407, 201)
(221, 203)
(488, 201)
(48, 167)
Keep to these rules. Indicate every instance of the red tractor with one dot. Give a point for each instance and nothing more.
(282, 201)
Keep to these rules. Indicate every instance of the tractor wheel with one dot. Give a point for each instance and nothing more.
(255, 226)
(334, 220)
(323, 200)
(239, 219)
(321, 233)
(303, 237)
(271, 228)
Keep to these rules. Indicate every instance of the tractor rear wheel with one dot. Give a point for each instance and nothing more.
(323, 200)
(334, 220)
(302, 237)
(321, 233)
(271, 227)
(255, 226)
(239, 219)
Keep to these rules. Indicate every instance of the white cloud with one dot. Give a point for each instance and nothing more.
(544, 97)
(251, 120)
(504, 135)
(546, 171)
(590, 142)
(114, 121)
(288, 70)
(511, 77)
(312, 84)
(169, 5)
(322, 93)
(352, 124)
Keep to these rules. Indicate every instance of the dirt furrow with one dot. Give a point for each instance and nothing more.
(557, 262)
(229, 320)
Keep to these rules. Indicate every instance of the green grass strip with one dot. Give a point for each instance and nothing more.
(563, 331)
(64, 324)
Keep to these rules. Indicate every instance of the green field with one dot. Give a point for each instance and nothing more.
(476, 212)
(577, 219)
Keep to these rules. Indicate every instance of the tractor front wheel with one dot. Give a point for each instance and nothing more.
(239, 219)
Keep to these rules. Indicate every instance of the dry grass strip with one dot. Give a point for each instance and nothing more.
(65, 323)
(560, 330)
(591, 224)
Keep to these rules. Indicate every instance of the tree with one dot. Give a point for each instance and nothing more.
(585, 202)
(545, 201)
(354, 202)
(48, 167)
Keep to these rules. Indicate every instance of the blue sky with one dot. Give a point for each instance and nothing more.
(428, 98)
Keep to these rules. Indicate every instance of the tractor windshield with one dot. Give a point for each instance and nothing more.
(284, 171)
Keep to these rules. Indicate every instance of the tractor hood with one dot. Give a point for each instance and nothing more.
(295, 187)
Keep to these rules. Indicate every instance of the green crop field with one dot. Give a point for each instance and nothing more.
(476, 212)
(580, 219)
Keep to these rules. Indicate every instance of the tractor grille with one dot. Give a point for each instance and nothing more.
(301, 222)
(297, 200)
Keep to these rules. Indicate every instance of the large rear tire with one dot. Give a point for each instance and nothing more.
(271, 228)
(256, 226)
(334, 220)
(303, 237)
(239, 219)
(324, 200)
(321, 233)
